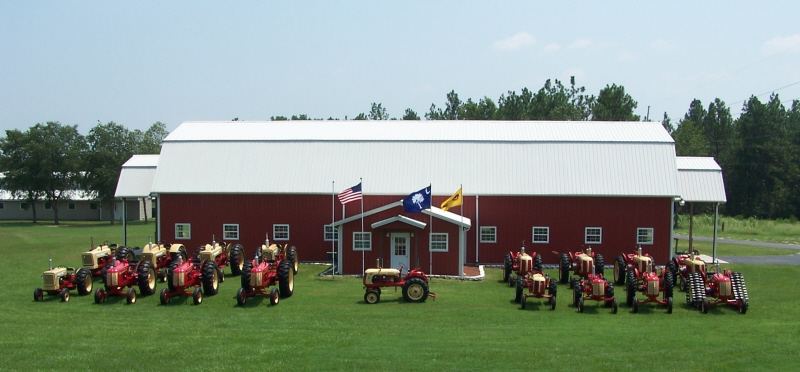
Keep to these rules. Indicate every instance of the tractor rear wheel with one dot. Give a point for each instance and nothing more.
(743, 306)
(146, 278)
(65, 295)
(522, 302)
(415, 290)
(286, 279)
(125, 253)
(553, 287)
(291, 256)
(197, 296)
(83, 280)
(274, 297)
(237, 259)
(669, 305)
(577, 293)
(372, 297)
(566, 266)
(520, 287)
(164, 297)
(170, 275)
(580, 305)
(240, 298)
(610, 290)
(537, 262)
(672, 267)
(669, 284)
(210, 275)
(704, 306)
(38, 294)
(614, 306)
(630, 296)
(635, 306)
(245, 276)
(131, 296)
(599, 265)
(553, 302)
(619, 270)
(507, 268)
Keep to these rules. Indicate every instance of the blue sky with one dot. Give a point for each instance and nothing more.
(136, 63)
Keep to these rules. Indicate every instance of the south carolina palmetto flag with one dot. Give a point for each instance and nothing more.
(452, 201)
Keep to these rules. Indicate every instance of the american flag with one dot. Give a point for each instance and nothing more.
(350, 194)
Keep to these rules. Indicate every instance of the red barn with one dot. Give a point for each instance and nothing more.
(556, 186)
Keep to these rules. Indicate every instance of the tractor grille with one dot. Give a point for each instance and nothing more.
(179, 279)
(256, 280)
(50, 281)
(88, 259)
(725, 289)
(149, 257)
(652, 288)
(598, 289)
(112, 279)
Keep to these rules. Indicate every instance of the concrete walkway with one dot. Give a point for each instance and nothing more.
(767, 260)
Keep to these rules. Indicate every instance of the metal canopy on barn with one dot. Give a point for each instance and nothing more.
(136, 181)
(700, 181)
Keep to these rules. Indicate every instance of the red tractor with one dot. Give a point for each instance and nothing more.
(581, 264)
(187, 277)
(162, 255)
(127, 273)
(724, 287)
(531, 277)
(683, 265)
(60, 280)
(594, 288)
(414, 283)
(643, 278)
(272, 265)
(224, 255)
(513, 262)
(99, 258)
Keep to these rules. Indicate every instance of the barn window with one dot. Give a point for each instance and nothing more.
(644, 235)
(593, 235)
(48, 205)
(362, 241)
(23, 206)
(438, 242)
(2, 205)
(93, 206)
(230, 231)
(183, 231)
(488, 234)
(331, 234)
(71, 205)
(280, 232)
(541, 234)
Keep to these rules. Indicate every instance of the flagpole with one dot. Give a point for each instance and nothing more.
(361, 182)
(333, 219)
(430, 251)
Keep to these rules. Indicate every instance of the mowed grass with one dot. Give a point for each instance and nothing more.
(326, 326)
(773, 231)
(726, 249)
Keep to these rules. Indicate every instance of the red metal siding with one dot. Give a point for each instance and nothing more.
(514, 217)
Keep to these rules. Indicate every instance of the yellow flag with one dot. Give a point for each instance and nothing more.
(452, 201)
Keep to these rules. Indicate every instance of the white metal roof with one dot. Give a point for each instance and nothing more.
(398, 157)
(700, 179)
(136, 177)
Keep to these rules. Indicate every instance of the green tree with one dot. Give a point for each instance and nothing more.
(484, 109)
(690, 139)
(718, 128)
(110, 146)
(451, 111)
(666, 122)
(149, 141)
(613, 104)
(360, 116)
(21, 169)
(410, 115)
(278, 118)
(377, 112)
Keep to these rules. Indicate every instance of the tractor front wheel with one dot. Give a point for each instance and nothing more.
(619, 270)
(274, 297)
(131, 296)
(240, 299)
(83, 280)
(197, 296)
(372, 297)
(100, 296)
(415, 290)
(164, 297)
(210, 278)
(65, 295)
(38, 294)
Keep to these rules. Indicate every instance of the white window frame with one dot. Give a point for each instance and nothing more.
(599, 235)
(436, 245)
(280, 235)
(330, 233)
(546, 235)
(185, 231)
(491, 237)
(232, 229)
(362, 241)
(648, 234)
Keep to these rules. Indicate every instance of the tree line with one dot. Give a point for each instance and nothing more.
(759, 151)
(49, 162)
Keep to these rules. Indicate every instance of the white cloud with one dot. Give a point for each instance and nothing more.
(781, 43)
(552, 48)
(515, 42)
(580, 44)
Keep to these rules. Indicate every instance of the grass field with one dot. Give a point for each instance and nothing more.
(781, 231)
(326, 326)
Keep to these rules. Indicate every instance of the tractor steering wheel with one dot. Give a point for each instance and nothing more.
(403, 266)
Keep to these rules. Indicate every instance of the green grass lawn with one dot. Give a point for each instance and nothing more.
(726, 249)
(326, 326)
(781, 231)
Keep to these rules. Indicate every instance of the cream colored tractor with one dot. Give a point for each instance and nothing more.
(162, 255)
